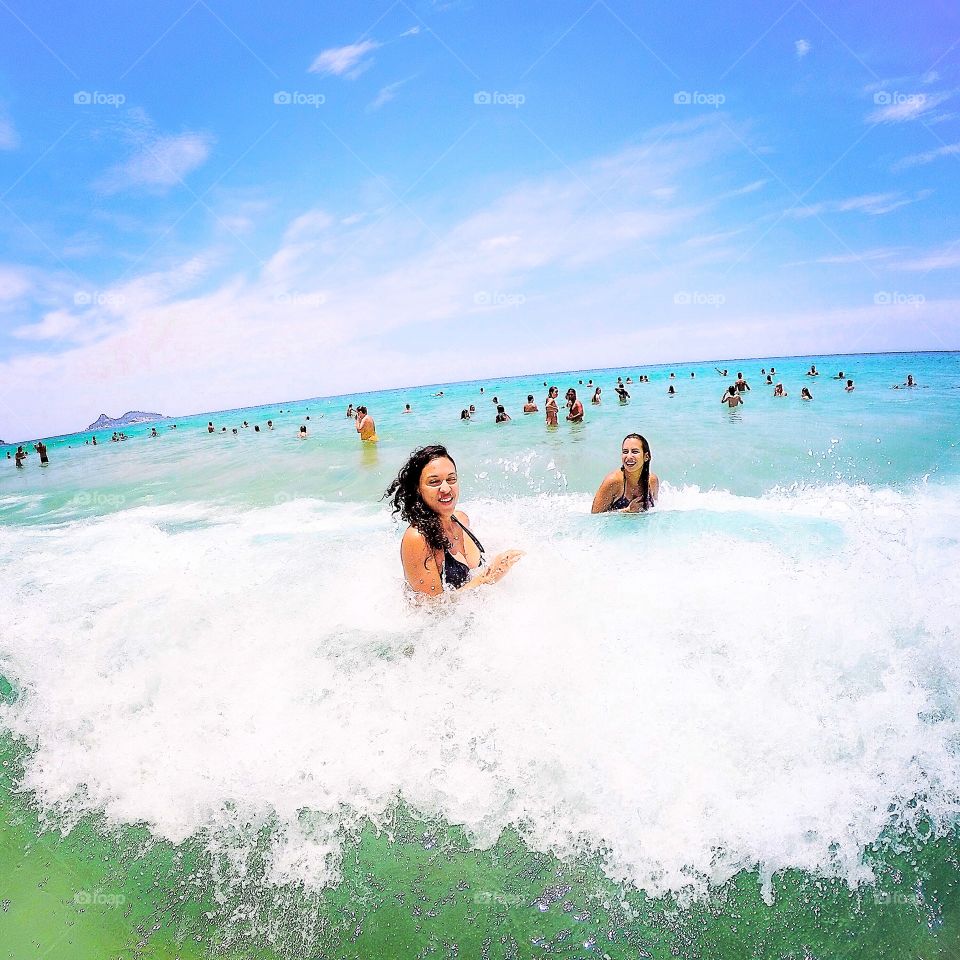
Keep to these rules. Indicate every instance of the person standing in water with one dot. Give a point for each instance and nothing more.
(596, 396)
(805, 394)
(41, 448)
(502, 415)
(438, 549)
(574, 406)
(552, 406)
(530, 406)
(365, 425)
(632, 488)
(732, 398)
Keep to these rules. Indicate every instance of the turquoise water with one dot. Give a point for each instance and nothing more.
(726, 728)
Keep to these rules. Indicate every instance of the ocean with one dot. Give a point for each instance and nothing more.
(725, 728)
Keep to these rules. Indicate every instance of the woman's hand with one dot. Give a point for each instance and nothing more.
(635, 505)
(499, 566)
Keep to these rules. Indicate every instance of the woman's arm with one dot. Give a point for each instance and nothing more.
(605, 495)
(420, 564)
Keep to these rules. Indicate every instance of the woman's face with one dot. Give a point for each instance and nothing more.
(632, 455)
(571, 394)
(438, 486)
(552, 392)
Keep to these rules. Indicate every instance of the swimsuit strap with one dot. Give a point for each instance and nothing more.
(470, 535)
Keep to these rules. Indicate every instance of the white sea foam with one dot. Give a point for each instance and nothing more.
(723, 683)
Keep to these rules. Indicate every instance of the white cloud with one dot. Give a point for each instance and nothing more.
(387, 94)
(918, 159)
(338, 61)
(15, 284)
(159, 163)
(873, 204)
(9, 138)
(946, 259)
(802, 48)
(898, 107)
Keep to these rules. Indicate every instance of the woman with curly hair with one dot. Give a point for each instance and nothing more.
(438, 548)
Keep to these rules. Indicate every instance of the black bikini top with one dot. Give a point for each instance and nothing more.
(455, 572)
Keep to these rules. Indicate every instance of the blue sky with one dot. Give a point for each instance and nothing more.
(204, 206)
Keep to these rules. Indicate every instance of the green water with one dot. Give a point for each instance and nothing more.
(425, 893)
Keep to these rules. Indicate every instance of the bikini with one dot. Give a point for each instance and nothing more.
(623, 501)
(455, 573)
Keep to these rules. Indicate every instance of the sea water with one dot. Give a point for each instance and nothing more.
(724, 728)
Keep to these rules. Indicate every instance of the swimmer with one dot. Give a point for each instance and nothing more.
(438, 549)
(407, 409)
(742, 384)
(41, 448)
(622, 393)
(731, 398)
(350, 412)
(473, 409)
(574, 406)
(366, 426)
(632, 488)
(21, 455)
(910, 382)
(302, 435)
(502, 415)
(530, 406)
(153, 432)
(209, 426)
(270, 423)
(840, 376)
(671, 391)
(629, 379)
(596, 396)
(805, 394)
(552, 406)
(849, 387)
(464, 414)
(769, 380)
(812, 372)
(778, 390)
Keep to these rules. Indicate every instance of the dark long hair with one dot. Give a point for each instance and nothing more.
(405, 493)
(645, 471)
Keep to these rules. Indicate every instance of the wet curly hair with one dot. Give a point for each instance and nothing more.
(405, 495)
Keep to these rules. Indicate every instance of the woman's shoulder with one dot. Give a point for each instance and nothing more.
(414, 540)
(612, 479)
(462, 517)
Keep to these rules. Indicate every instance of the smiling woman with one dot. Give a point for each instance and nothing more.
(438, 547)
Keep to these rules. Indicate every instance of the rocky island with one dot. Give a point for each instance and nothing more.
(127, 420)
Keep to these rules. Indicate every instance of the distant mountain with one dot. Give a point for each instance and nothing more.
(127, 420)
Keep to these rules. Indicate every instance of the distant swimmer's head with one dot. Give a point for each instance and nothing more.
(464, 414)
(303, 429)
(500, 408)
(553, 392)
(529, 398)
(362, 410)
(425, 491)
